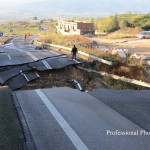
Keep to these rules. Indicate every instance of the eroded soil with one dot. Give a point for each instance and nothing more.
(63, 77)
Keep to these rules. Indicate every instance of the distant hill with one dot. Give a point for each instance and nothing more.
(80, 8)
(88, 7)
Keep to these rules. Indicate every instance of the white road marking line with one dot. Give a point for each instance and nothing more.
(76, 61)
(32, 56)
(54, 52)
(28, 53)
(35, 58)
(37, 74)
(75, 139)
(25, 77)
(46, 64)
(63, 56)
(17, 48)
(9, 44)
(9, 57)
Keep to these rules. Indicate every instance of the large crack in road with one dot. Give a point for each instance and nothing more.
(64, 78)
(23, 67)
(65, 118)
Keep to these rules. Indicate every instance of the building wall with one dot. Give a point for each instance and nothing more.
(87, 26)
(75, 28)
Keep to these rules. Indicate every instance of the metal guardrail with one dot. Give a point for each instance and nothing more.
(80, 52)
(132, 81)
(124, 79)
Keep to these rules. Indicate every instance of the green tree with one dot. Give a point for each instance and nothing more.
(124, 24)
(146, 27)
(112, 24)
(35, 18)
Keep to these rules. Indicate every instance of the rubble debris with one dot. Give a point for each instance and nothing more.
(77, 85)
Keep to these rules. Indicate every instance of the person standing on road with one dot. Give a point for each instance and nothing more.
(74, 52)
(25, 36)
(28, 36)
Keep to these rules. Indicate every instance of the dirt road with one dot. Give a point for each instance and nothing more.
(134, 45)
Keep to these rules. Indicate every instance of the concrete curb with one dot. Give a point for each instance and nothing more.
(29, 143)
(124, 79)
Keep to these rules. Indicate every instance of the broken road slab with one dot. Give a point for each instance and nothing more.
(21, 80)
(54, 115)
(18, 58)
(51, 63)
(10, 73)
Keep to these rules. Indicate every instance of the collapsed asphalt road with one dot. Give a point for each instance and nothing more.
(22, 63)
(64, 118)
(19, 62)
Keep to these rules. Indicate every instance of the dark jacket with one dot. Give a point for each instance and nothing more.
(74, 50)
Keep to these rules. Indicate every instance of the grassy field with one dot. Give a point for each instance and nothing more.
(122, 34)
(22, 27)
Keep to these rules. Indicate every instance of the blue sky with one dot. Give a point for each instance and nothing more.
(60, 8)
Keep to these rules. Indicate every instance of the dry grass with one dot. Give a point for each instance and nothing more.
(77, 40)
(124, 33)
(65, 40)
